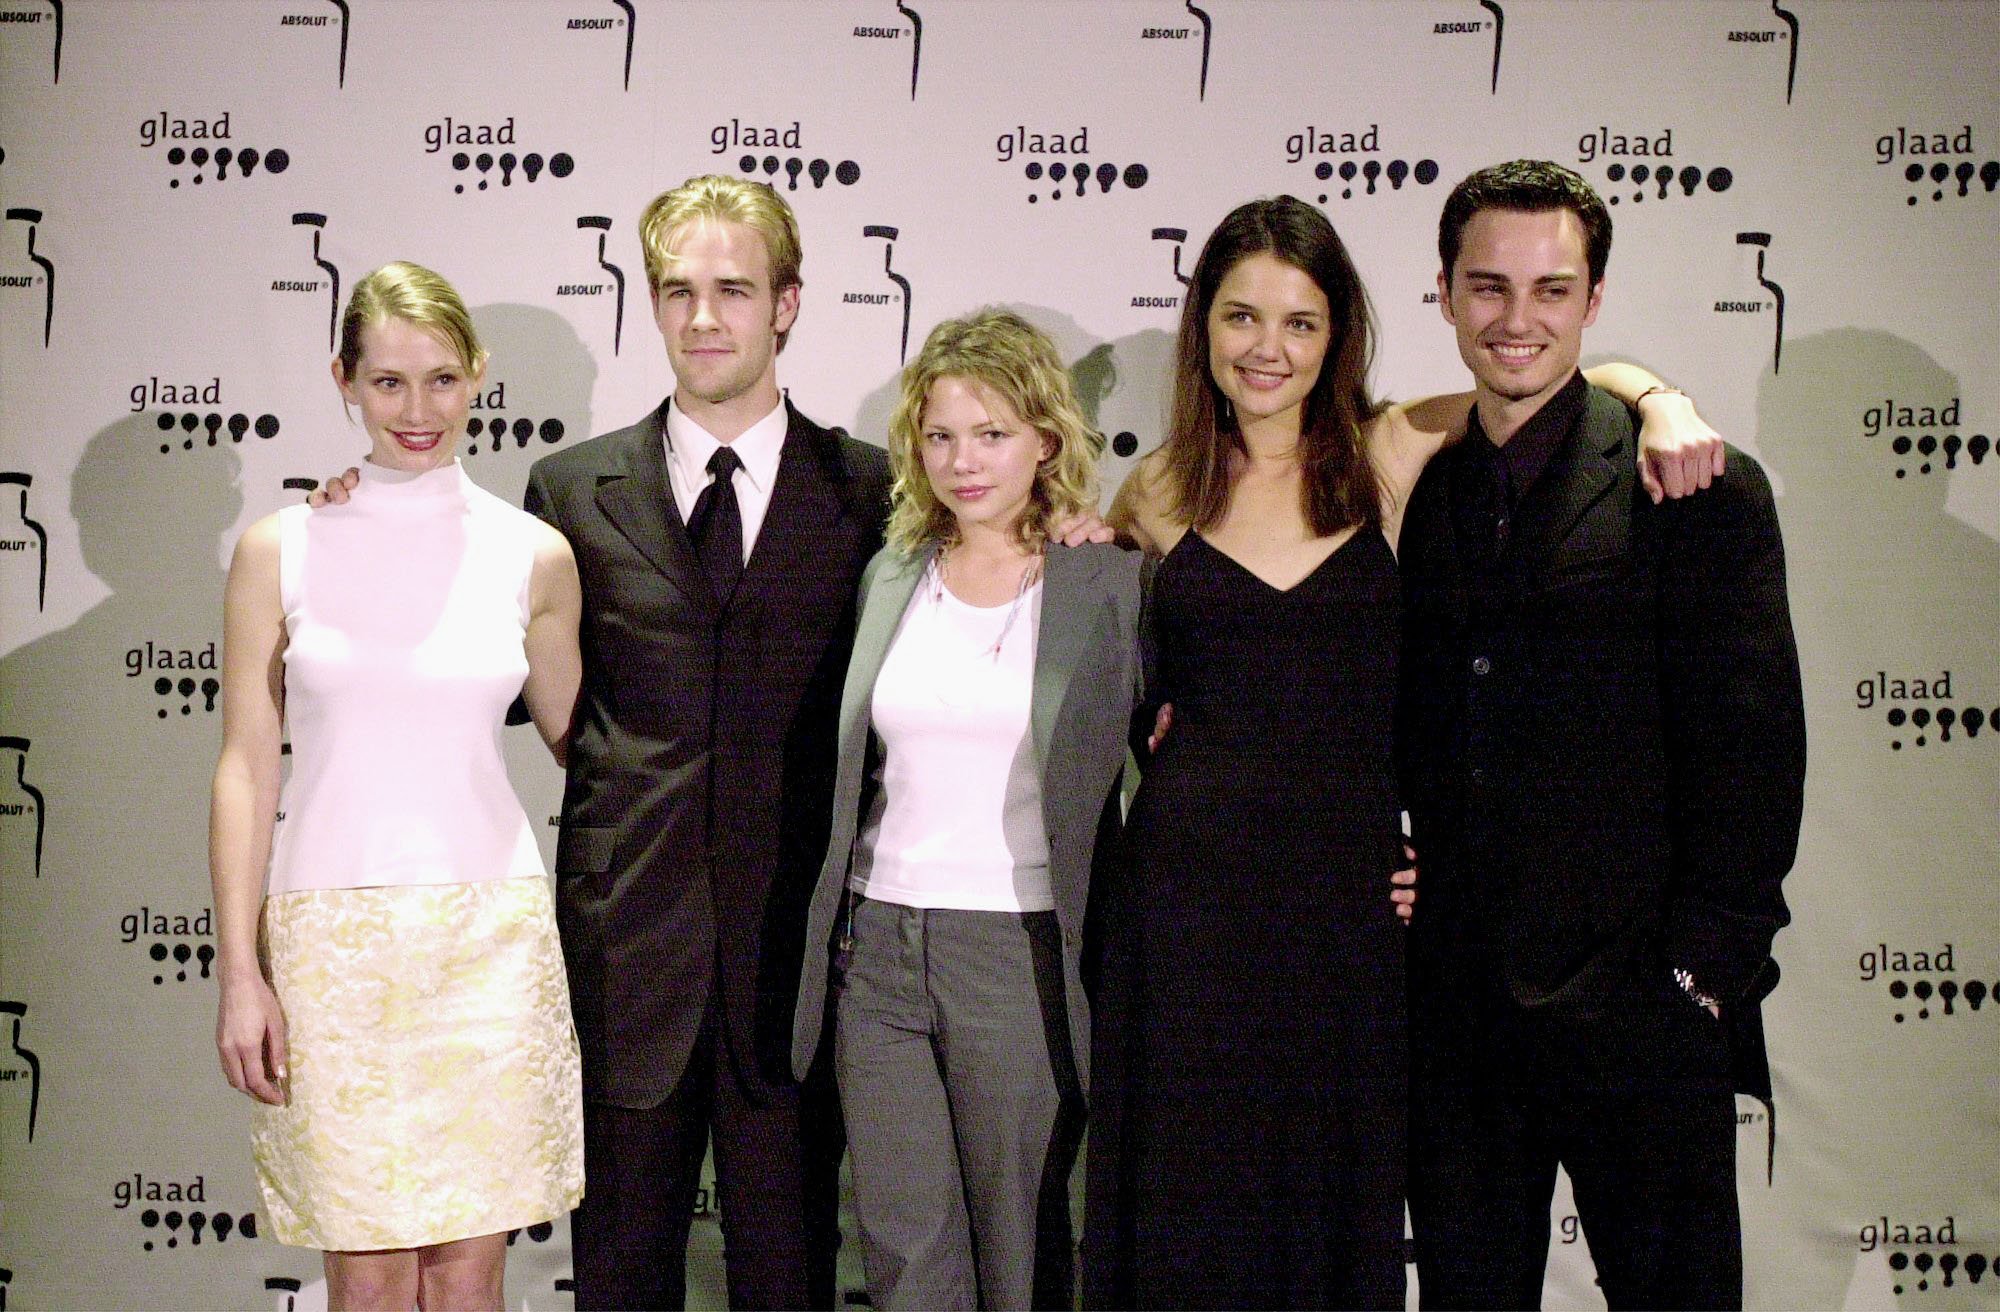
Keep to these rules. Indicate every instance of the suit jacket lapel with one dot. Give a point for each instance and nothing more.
(1067, 621)
(1583, 469)
(639, 502)
(888, 597)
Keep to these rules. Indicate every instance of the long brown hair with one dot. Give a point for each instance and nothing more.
(1339, 485)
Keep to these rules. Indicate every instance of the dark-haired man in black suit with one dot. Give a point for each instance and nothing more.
(1603, 752)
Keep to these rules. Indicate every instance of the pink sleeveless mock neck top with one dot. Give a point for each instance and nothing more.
(406, 610)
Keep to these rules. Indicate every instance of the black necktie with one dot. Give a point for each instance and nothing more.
(717, 525)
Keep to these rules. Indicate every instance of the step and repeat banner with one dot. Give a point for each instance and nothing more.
(1805, 203)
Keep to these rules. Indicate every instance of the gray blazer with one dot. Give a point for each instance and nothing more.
(1087, 681)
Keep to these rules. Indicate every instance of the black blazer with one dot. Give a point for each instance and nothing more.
(1601, 741)
(701, 764)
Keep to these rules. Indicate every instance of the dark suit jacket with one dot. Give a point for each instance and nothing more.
(695, 813)
(1087, 681)
(1602, 744)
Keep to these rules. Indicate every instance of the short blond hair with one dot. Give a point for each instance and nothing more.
(999, 350)
(410, 292)
(715, 198)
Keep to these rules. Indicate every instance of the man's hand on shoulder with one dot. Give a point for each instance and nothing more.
(336, 490)
(1079, 529)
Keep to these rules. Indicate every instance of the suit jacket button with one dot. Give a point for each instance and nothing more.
(1480, 665)
(1477, 775)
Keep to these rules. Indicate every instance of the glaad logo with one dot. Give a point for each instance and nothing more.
(1787, 36)
(31, 802)
(139, 1189)
(1898, 421)
(1762, 241)
(33, 17)
(149, 656)
(317, 222)
(171, 935)
(616, 286)
(1938, 176)
(324, 20)
(630, 22)
(23, 1067)
(36, 539)
(1326, 141)
(880, 33)
(153, 392)
(1620, 149)
(1911, 1257)
(47, 277)
(164, 127)
(1020, 141)
(1907, 975)
(1935, 713)
(487, 420)
(1497, 24)
(1184, 32)
(902, 284)
(452, 133)
(737, 134)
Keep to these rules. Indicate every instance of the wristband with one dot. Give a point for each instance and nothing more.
(1655, 390)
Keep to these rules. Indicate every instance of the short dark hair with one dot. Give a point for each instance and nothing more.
(1533, 186)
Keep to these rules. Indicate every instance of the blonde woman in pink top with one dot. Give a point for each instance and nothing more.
(392, 988)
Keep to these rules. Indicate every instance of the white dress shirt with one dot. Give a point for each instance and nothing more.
(689, 447)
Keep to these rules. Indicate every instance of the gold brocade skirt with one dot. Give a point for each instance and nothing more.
(435, 1090)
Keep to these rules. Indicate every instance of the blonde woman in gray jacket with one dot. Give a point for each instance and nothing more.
(982, 734)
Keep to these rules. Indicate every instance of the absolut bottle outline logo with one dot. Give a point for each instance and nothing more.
(601, 225)
(1937, 164)
(1645, 161)
(889, 32)
(37, 16)
(331, 280)
(887, 234)
(24, 1067)
(32, 536)
(1918, 434)
(1196, 26)
(339, 20)
(490, 420)
(1068, 177)
(1923, 709)
(46, 278)
(33, 809)
(164, 1225)
(1786, 33)
(1923, 983)
(1163, 300)
(1359, 165)
(1762, 242)
(213, 146)
(1495, 22)
(1924, 1254)
(629, 22)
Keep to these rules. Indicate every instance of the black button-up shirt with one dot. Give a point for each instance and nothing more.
(1498, 476)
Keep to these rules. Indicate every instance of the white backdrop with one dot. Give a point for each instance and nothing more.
(164, 332)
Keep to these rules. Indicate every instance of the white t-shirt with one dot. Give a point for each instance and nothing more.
(957, 819)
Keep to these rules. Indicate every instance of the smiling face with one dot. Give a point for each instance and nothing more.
(1520, 298)
(720, 320)
(1268, 332)
(980, 456)
(413, 392)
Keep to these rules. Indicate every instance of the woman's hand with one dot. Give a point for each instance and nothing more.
(250, 1037)
(1679, 453)
(1403, 885)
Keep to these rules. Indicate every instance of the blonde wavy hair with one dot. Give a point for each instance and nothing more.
(1001, 351)
(414, 294)
(715, 198)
